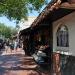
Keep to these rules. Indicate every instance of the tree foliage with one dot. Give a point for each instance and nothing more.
(6, 31)
(18, 9)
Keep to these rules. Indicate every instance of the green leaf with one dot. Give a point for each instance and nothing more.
(18, 9)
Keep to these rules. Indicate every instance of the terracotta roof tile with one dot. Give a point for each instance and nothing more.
(56, 4)
(50, 7)
(68, 5)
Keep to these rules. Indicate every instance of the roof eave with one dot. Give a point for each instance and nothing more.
(50, 7)
(56, 4)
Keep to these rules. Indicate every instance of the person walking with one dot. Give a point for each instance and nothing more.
(15, 45)
(6, 44)
(11, 46)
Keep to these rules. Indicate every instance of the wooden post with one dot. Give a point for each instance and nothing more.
(56, 64)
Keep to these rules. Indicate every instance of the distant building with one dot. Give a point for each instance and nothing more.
(26, 23)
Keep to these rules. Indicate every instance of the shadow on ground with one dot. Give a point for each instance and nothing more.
(18, 62)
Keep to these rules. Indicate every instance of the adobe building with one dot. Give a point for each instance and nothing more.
(55, 27)
(59, 16)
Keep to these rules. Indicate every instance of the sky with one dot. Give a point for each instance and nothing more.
(7, 22)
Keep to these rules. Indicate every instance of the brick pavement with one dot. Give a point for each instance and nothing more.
(16, 63)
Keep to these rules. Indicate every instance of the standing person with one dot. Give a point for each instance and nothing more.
(6, 45)
(15, 45)
(11, 46)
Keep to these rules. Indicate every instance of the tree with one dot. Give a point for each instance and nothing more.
(6, 31)
(18, 9)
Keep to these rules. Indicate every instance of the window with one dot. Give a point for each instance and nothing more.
(62, 36)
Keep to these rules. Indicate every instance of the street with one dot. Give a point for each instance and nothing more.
(16, 63)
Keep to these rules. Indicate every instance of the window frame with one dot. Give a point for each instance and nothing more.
(63, 35)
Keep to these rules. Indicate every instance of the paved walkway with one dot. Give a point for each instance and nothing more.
(16, 63)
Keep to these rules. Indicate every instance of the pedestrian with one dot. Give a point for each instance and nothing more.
(11, 46)
(6, 47)
(15, 45)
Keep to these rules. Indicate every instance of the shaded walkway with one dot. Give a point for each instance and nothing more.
(12, 63)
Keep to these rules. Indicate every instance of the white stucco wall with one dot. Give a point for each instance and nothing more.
(69, 21)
